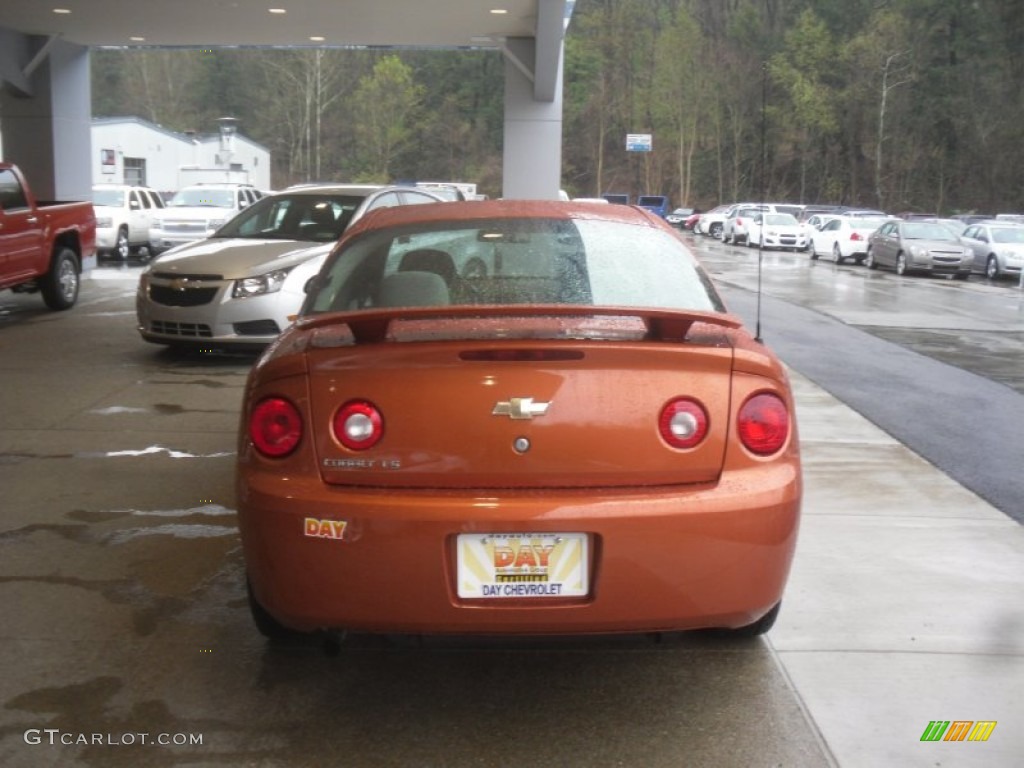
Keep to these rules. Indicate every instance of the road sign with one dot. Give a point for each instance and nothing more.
(638, 142)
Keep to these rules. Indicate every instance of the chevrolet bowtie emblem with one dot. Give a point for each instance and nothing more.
(520, 408)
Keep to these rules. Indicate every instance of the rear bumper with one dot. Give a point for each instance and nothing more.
(686, 558)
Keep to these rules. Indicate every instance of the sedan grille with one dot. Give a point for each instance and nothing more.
(257, 328)
(185, 330)
(185, 227)
(186, 297)
(185, 276)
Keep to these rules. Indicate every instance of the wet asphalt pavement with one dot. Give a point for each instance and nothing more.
(126, 639)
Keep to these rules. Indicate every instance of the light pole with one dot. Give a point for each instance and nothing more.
(228, 129)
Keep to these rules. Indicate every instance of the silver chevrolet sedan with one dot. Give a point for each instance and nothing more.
(919, 246)
(242, 286)
(998, 248)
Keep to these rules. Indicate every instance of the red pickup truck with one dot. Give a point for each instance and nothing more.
(43, 245)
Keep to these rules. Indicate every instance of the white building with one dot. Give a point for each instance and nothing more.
(130, 150)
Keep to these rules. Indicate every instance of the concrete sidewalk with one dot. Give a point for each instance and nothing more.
(906, 602)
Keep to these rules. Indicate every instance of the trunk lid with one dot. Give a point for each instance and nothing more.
(519, 414)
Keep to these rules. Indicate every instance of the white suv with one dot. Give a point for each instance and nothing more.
(124, 215)
(197, 211)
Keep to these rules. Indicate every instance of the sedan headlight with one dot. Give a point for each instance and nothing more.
(271, 282)
(104, 221)
(917, 252)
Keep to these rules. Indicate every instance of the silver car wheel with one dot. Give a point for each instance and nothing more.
(901, 264)
(992, 268)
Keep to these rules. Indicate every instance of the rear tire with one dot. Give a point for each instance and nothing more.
(715, 230)
(60, 285)
(869, 260)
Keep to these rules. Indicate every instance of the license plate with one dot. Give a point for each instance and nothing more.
(523, 565)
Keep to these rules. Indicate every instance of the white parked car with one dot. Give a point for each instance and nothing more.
(197, 211)
(776, 230)
(843, 237)
(712, 222)
(124, 214)
(734, 228)
(998, 248)
(242, 286)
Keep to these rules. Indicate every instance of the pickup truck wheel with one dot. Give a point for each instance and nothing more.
(60, 284)
(121, 248)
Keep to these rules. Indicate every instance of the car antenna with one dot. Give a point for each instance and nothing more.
(764, 162)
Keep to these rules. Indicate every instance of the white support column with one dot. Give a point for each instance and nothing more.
(533, 129)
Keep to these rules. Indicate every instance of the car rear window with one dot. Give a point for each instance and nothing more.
(514, 261)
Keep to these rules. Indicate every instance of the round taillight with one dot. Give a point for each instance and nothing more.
(683, 423)
(763, 424)
(275, 427)
(358, 425)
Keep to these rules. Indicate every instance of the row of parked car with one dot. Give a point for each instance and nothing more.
(908, 243)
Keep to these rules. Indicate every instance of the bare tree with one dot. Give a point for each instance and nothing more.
(891, 69)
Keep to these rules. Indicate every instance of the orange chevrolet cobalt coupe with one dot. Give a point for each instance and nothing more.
(516, 417)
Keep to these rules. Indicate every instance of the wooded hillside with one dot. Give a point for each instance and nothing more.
(900, 104)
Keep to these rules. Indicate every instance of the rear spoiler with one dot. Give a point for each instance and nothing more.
(372, 326)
